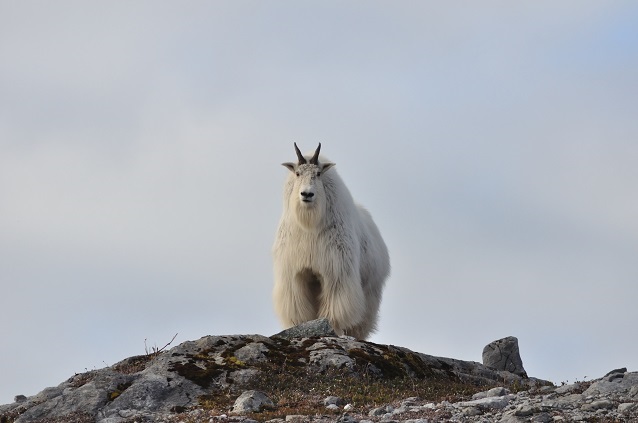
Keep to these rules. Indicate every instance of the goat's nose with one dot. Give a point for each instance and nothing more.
(306, 194)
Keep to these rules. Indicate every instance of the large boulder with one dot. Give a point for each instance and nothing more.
(215, 369)
(503, 354)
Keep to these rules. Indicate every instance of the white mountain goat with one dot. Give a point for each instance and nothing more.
(329, 258)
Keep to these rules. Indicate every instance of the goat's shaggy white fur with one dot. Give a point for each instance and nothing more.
(329, 258)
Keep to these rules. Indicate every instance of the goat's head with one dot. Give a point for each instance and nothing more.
(308, 192)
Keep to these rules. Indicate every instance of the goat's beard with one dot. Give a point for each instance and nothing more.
(309, 215)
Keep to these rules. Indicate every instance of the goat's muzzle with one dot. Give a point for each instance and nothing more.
(307, 196)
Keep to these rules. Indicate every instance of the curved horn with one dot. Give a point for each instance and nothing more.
(315, 158)
(302, 159)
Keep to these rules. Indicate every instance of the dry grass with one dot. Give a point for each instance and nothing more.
(301, 390)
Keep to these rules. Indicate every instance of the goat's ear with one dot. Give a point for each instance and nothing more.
(290, 166)
(326, 166)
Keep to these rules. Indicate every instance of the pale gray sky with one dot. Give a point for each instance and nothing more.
(495, 144)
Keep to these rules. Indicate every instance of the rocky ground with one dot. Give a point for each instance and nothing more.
(308, 374)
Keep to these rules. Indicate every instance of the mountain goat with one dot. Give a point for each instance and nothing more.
(329, 258)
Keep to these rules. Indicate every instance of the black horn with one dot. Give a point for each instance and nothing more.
(302, 159)
(315, 158)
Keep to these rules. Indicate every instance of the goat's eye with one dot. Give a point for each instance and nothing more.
(318, 174)
(297, 173)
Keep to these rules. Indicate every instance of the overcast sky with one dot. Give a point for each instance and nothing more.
(495, 143)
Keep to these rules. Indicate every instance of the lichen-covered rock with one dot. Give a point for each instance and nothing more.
(76, 396)
(214, 368)
(313, 328)
(252, 352)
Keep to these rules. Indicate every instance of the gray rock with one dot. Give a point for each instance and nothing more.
(401, 410)
(333, 400)
(471, 412)
(486, 403)
(408, 402)
(252, 353)
(503, 354)
(296, 418)
(622, 370)
(19, 398)
(509, 417)
(597, 405)
(627, 407)
(87, 399)
(252, 401)
(380, 411)
(494, 392)
(313, 328)
(618, 386)
(569, 401)
(542, 418)
(330, 358)
(525, 410)
(127, 414)
(569, 388)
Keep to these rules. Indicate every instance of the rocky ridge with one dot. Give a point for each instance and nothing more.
(308, 374)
